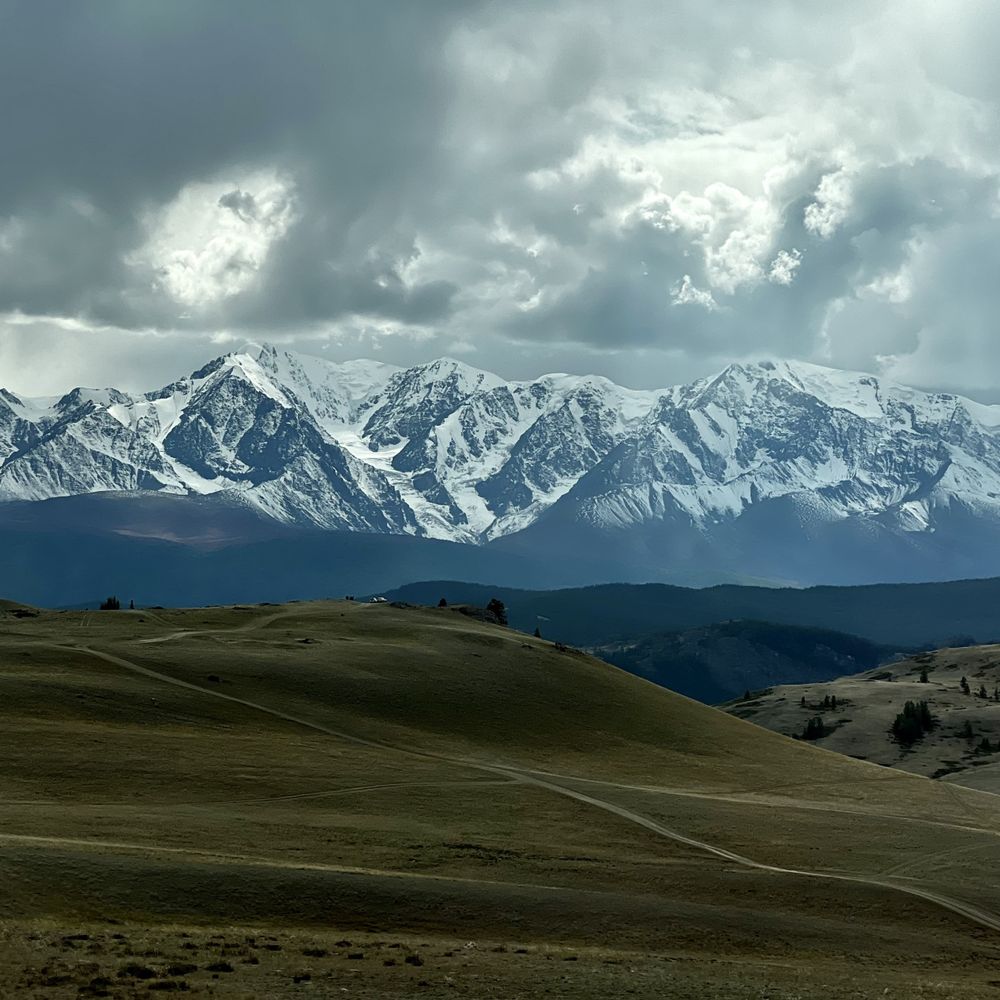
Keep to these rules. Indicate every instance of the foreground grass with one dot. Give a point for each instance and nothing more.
(318, 773)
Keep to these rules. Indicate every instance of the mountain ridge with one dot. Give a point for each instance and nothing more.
(764, 455)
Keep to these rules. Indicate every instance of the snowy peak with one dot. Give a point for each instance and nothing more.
(447, 450)
(333, 393)
(418, 398)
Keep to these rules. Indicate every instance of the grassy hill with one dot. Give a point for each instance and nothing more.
(714, 663)
(390, 801)
(917, 614)
(859, 723)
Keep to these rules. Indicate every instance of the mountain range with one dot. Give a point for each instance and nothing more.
(778, 471)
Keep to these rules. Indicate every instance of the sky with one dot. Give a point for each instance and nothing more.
(643, 190)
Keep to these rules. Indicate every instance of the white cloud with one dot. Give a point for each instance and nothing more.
(832, 205)
(685, 294)
(212, 239)
(784, 266)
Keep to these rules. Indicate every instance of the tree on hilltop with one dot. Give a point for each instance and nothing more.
(498, 609)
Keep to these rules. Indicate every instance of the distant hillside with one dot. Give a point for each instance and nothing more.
(714, 663)
(856, 714)
(901, 615)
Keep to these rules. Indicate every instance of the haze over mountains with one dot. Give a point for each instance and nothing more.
(776, 470)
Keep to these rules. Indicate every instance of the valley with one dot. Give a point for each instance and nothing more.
(385, 799)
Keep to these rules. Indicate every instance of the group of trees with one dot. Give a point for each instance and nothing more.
(113, 604)
(829, 703)
(912, 723)
(981, 693)
(815, 729)
(496, 607)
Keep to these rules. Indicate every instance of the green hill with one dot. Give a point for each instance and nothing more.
(372, 798)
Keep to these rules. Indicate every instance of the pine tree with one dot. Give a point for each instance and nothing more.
(442, 603)
(498, 609)
(964, 683)
(538, 632)
(923, 676)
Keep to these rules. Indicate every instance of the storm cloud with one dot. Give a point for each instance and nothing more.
(642, 190)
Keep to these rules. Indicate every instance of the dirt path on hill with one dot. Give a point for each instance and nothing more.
(980, 916)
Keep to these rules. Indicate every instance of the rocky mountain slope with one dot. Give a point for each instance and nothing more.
(784, 471)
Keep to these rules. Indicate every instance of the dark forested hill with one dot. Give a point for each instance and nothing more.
(715, 663)
(931, 614)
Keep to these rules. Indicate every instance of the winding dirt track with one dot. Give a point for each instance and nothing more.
(980, 916)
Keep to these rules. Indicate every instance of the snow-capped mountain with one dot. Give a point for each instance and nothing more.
(763, 459)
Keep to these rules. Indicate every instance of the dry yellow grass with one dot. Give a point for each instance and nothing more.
(336, 771)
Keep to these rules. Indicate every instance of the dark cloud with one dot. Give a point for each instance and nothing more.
(628, 187)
